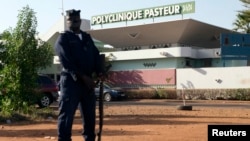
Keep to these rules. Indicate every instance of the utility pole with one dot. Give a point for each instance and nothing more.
(62, 9)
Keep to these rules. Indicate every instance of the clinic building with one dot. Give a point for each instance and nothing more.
(152, 54)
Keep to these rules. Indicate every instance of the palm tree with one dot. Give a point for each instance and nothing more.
(242, 23)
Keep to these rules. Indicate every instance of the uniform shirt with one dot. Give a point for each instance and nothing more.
(78, 55)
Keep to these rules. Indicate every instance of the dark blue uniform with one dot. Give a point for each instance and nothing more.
(77, 57)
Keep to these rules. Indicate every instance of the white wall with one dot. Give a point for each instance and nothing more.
(164, 53)
(60, 26)
(213, 78)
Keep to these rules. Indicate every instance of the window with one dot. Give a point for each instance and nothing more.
(207, 62)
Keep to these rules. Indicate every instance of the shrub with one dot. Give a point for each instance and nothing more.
(215, 94)
(150, 93)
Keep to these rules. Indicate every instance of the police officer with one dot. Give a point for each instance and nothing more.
(80, 59)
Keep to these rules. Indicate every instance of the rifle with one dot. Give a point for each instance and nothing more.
(101, 97)
(100, 111)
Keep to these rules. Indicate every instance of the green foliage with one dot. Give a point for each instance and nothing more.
(239, 94)
(140, 93)
(159, 94)
(215, 94)
(22, 55)
(242, 22)
(190, 94)
(165, 94)
(151, 93)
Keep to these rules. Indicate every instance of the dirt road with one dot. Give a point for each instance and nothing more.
(144, 120)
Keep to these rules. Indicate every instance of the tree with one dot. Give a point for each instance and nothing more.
(242, 22)
(22, 55)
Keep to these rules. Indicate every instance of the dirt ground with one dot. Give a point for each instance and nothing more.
(144, 120)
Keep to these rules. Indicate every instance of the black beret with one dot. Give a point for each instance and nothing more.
(73, 12)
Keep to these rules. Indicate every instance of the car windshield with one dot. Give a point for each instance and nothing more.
(108, 85)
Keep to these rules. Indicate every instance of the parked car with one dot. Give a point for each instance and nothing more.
(48, 89)
(110, 93)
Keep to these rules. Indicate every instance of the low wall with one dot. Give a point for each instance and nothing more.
(213, 78)
(143, 78)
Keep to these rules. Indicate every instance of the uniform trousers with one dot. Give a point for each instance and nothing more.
(74, 94)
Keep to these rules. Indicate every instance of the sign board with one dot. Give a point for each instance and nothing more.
(166, 10)
(235, 46)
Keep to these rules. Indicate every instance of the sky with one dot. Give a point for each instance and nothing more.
(221, 13)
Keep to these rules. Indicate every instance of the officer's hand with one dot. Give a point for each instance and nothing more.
(89, 82)
(102, 77)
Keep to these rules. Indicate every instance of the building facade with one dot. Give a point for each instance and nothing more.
(149, 55)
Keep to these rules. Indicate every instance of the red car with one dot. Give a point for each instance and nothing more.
(49, 90)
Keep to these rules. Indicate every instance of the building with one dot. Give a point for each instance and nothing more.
(148, 55)
(156, 54)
